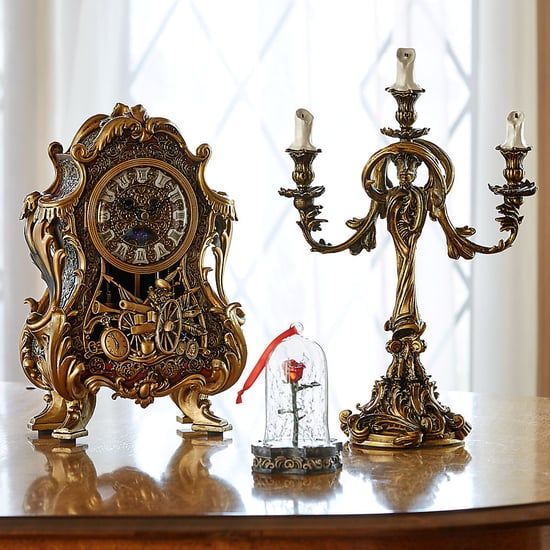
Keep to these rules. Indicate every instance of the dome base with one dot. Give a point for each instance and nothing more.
(297, 460)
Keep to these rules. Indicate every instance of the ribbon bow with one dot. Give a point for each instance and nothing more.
(264, 358)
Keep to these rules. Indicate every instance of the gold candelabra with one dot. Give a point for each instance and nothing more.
(404, 410)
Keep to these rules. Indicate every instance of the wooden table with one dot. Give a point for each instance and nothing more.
(133, 482)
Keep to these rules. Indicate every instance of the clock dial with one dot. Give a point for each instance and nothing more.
(141, 217)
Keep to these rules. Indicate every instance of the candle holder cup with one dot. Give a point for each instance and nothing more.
(404, 410)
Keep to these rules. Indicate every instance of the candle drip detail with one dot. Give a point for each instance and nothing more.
(404, 410)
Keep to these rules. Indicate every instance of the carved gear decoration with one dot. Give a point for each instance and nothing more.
(120, 238)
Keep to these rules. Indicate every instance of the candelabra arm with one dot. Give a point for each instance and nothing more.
(458, 242)
(304, 195)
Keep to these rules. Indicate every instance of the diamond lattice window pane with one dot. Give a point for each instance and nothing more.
(232, 74)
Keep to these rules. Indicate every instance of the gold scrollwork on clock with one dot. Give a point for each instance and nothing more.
(142, 215)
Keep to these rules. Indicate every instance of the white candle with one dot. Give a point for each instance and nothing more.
(302, 131)
(404, 80)
(514, 131)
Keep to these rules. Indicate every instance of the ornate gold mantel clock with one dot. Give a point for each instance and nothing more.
(120, 239)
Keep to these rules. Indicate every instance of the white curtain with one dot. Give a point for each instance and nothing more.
(232, 74)
(63, 61)
(504, 313)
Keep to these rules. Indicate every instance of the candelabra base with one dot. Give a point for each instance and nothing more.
(404, 411)
(387, 442)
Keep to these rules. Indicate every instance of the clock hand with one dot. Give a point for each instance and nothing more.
(116, 342)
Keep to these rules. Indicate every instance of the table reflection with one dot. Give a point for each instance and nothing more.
(296, 494)
(134, 466)
(71, 485)
(404, 481)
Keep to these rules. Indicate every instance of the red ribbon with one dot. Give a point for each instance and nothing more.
(262, 361)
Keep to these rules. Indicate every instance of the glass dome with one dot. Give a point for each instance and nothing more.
(296, 395)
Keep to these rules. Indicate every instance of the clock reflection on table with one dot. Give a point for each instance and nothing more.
(71, 485)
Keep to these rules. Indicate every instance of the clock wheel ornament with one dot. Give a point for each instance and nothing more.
(120, 238)
(168, 331)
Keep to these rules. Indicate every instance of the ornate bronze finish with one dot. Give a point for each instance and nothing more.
(404, 410)
(120, 239)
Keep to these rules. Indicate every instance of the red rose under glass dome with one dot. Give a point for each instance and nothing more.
(296, 438)
(296, 394)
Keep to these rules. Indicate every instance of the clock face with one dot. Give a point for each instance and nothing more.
(142, 216)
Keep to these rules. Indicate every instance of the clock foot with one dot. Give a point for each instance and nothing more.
(52, 416)
(195, 407)
(78, 415)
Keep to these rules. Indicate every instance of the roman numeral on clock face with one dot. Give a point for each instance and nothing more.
(175, 194)
(141, 174)
(123, 181)
(140, 256)
(175, 236)
(121, 250)
(108, 195)
(178, 215)
(162, 180)
(160, 251)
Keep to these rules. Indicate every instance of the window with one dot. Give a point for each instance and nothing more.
(232, 74)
